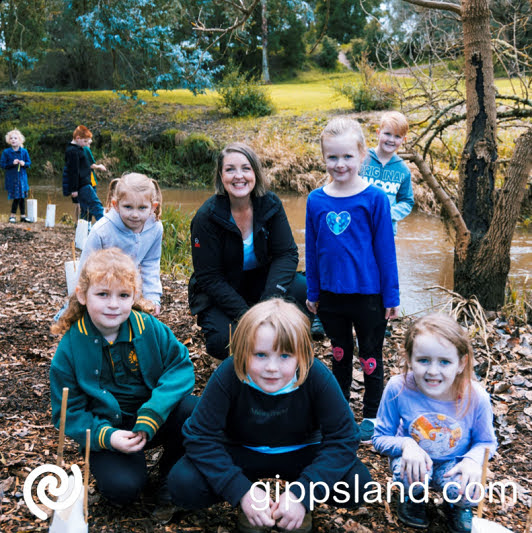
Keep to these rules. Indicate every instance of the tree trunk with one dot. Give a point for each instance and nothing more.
(478, 163)
(265, 69)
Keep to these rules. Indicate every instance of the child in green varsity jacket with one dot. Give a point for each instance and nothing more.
(129, 379)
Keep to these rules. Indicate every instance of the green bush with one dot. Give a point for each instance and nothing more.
(357, 47)
(328, 53)
(243, 97)
(197, 149)
(176, 253)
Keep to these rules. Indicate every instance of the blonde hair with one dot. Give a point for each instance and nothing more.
(108, 266)
(342, 125)
(261, 182)
(397, 122)
(448, 329)
(292, 335)
(134, 183)
(19, 133)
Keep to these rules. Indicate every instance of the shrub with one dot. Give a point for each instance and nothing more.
(243, 97)
(197, 149)
(356, 49)
(328, 53)
(175, 253)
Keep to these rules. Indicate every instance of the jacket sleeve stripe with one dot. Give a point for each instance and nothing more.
(148, 421)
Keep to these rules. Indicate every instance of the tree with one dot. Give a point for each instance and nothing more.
(485, 217)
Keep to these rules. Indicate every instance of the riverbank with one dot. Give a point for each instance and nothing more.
(33, 288)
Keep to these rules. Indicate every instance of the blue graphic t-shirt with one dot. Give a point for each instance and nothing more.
(441, 428)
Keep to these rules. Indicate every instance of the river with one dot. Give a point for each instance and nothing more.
(424, 251)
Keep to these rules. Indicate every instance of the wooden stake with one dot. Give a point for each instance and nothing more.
(483, 480)
(74, 254)
(86, 476)
(62, 421)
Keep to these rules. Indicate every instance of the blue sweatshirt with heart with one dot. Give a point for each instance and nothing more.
(349, 245)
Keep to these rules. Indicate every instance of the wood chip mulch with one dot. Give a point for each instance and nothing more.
(33, 288)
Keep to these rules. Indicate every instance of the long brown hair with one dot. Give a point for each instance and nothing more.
(448, 329)
(110, 265)
(292, 335)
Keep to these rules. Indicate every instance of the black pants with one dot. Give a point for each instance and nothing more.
(191, 490)
(215, 323)
(121, 476)
(18, 202)
(339, 313)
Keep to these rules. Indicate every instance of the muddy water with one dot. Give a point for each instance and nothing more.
(424, 252)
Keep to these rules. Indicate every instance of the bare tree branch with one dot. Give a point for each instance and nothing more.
(445, 6)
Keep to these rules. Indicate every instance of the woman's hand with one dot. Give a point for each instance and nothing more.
(257, 508)
(415, 461)
(471, 472)
(313, 307)
(288, 512)
(391, 313)
(128, 441)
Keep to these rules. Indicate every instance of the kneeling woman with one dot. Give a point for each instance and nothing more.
(243, 250)
(270, 411)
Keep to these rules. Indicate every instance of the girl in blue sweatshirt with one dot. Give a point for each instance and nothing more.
(129, 378)
(132, 223)
(270, 411)
(351, 266)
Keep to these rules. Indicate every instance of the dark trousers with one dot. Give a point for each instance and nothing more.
(339, 313)
(191, 490)
(18, 203)
(215, 323)
(90, 205)
(120, 477)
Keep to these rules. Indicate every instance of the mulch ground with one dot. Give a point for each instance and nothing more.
(33, 288)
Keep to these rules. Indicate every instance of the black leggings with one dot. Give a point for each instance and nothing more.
(215, 323)
(339, 313)
(18, 202)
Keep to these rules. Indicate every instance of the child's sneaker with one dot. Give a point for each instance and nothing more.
(316, 329)
(305, 527)
(12, 219)
(367, 427)
(24, 218)
(459, 519)
(412, 514)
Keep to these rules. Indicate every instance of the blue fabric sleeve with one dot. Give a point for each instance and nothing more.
(150, 269)
(404, 198)
(311, 260)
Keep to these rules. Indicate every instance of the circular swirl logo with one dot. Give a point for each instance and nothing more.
(50, 483)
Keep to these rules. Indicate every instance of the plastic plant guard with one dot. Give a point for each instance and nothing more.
(481, 525)
(71, 519)
(50, 216)
(31, 206)
(71, 272)
(82, 232)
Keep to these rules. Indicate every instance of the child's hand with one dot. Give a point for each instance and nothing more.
(415, 461)
(391, 313)
(256, 516)
(288, 518)
(98, 167)
(127, 441)
(471, 472)
(157, 310)
(312, 306)
(74, 194)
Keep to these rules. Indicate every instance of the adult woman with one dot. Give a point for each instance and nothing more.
(243, 250)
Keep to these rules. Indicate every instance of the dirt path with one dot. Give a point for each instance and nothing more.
(32, 288)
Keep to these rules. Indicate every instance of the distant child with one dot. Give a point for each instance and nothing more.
(129, 379)
(270, 410)
(385, 169)
(436, 421)
(15, 161)
(132, 223)
(77, 176)
(351, 264)
(92, 163)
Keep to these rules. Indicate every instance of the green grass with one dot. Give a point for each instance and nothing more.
(176, 256)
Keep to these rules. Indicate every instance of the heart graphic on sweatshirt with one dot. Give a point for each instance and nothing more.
(338, 222)
(338, 353)
(368, 365)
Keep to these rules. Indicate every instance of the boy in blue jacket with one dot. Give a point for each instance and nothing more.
(383, 168)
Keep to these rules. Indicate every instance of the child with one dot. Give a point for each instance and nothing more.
(77, 176)
(385, 169)
(129, 378)
(351, 264)
(132, 223)
(270, 410)
(15, 161)
(92, 163)
(436, 421)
